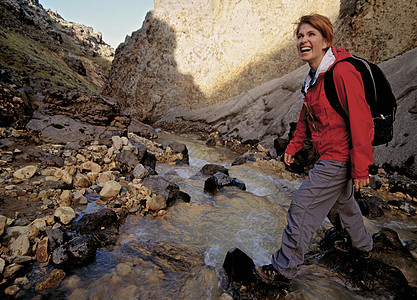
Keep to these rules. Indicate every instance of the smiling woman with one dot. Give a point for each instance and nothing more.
(112, 19)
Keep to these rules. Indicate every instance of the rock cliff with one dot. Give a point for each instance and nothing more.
(39, 49)
(190, 54)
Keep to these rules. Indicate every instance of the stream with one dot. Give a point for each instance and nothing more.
(179, 255)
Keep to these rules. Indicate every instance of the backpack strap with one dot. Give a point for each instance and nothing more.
(331, 95)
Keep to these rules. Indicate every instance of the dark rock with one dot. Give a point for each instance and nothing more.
(399, 183)
(60, 255)
(178, 148)
(404, 206)
(56, 237)
(82, 250)
(272, 153)
(219, 180)
(142, 129)
(240, 161)
(388, 241)
(211, 169)
(241, 282)
(238, 266)
(170, 191)
(93, 222)
(372, 274)
(140, 155)
(372, 207)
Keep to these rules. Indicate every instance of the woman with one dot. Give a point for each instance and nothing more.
(343, 154)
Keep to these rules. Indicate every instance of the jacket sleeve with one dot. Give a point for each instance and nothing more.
(350, 91)
(296, 144)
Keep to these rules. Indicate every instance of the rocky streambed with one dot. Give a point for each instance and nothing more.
(61, 203)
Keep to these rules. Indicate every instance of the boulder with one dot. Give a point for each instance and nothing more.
(211, 169)
(169, 191)
(142, 129)
(219, 180)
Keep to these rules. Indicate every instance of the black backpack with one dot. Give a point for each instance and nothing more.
(378, 94)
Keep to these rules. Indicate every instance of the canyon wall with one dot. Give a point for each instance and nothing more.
(193, 53)
(190, 54)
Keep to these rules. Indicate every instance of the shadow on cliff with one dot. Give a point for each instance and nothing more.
(145, 78)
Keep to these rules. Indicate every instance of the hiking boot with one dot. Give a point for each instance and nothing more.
(362, 253)
(269, 275)
(342, 246)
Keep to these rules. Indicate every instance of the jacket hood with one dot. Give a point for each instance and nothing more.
(332, 56)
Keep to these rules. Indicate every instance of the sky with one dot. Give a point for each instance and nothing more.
(114, 19)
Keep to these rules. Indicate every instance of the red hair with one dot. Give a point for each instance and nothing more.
(319, 22)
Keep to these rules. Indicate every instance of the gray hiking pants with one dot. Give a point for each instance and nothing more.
(328, 190)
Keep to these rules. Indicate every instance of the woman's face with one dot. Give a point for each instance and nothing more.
(311, 45)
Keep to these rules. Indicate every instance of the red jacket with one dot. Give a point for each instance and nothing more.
(331, 139)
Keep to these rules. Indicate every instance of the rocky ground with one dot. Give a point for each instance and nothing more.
(45, 189)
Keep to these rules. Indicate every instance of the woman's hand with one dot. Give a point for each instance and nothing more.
(360, 183)
(288, 158)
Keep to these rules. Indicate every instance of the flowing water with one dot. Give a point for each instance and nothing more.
(180, 255)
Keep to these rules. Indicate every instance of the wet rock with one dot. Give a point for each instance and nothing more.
(272, 153)
(239, 266)
(82, 250)
(240, 281)
(404, 206)
(388, 241)
(65, 214)
(219, 180)
(42, 250)
(60, 255)
(211, 169)
(21, 246)
(372, 207)
(123, 269)
(178, 148)
(11, 290)
(95, 222)
(25, 173)
(399, 183)
(51, 281)
(367, 274)
(169, 191)
(110, 190)
(142, 129)
(65, 198)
